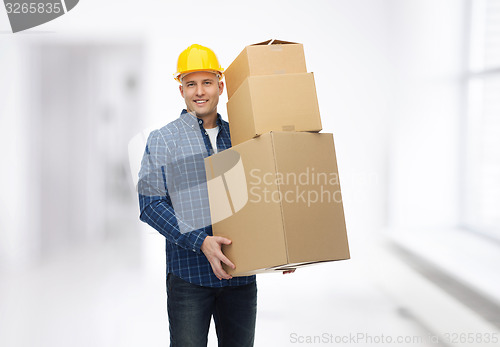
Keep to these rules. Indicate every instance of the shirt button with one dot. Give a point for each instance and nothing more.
(206, 133)
(200, 121)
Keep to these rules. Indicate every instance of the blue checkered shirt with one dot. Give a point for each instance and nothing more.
(174, 158)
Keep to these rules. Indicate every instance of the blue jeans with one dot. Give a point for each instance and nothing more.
(190, 308)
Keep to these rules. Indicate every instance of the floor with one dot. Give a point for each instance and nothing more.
(113, 294)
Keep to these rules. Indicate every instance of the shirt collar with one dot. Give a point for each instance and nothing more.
(191, 120)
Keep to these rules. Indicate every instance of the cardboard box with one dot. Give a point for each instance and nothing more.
(265, 58)
(273, 103)
(277, 197)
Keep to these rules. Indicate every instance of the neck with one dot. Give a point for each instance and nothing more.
(210, 121)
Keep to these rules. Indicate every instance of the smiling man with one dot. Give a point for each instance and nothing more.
(173, 199)
(201, 91)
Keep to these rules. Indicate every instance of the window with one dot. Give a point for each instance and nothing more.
(481, 155)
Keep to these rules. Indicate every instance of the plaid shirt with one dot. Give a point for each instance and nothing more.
(174, 158)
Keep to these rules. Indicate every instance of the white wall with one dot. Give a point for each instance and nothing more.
(427, 40)
(17, 244)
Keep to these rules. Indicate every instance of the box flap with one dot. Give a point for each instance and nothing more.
(274, 42)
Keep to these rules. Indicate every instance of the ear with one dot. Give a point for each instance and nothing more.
(221, 87)
(181, 90)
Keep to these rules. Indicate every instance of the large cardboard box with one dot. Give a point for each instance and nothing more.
(265, 58)
(273, 103)
(277, 197)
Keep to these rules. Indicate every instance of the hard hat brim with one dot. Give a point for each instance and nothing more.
(178, 75)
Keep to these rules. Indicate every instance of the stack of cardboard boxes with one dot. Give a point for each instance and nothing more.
(276, 192)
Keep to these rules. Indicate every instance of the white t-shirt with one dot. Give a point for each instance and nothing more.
(212, 134)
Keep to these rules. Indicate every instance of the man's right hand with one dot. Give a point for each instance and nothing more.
(211, 247)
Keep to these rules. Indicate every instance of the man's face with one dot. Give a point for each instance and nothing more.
(201, 91)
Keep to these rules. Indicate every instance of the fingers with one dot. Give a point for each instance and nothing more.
(219, 271)
(226, 260)
(222, 240)
(212, 249)
(217, 265)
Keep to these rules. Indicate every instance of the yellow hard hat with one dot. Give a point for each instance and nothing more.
(197, 58)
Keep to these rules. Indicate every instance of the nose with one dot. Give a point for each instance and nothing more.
(199, 90)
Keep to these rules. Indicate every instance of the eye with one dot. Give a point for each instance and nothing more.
(208, 82)
(189, 84)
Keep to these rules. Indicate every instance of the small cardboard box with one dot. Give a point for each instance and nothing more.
(265, 58)
(277, 197)
(273, 103)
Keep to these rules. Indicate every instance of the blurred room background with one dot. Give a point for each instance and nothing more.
(411, 91)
